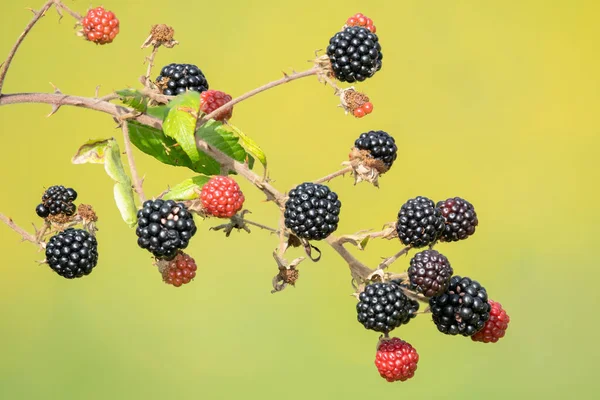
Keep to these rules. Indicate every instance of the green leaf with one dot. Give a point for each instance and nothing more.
(186, 190)
(180, 123)
(158, 111)
(107, 152)
(134, 99)
(217, 135)
(153, 142)
(251, 146)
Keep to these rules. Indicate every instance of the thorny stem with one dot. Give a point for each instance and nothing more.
(24, 234)
(286, 78)
(358, 270)
(333, 175)
(261, 226)
(137, 182)
(282, 237)
(13, 51)
(388, 261)
(150, 61)
(60, 5)
(60, 99)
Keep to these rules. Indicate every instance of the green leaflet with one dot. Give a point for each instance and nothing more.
(134, 99)
(250, 145)
(107, 152)
(180, 123)
(186, 190)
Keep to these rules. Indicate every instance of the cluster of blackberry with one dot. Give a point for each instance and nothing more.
(383, 307)
(458, 305)
(164, 227)
(355, 54)
(312, 211)
(175, 79)
(422, 223)
(57, 200)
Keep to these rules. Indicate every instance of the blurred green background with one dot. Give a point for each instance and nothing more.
(493, 101)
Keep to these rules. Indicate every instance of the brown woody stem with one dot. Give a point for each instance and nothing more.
(61, 6)
(333, 175)
(13, 51)
(22, 232)
(358, 270)
(286, 78)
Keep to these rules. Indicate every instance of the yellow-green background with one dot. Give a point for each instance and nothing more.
(495, 101)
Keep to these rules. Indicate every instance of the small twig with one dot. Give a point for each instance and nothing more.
(395, 276)
(40, 234)
(60, 5)
(358, 270)
(13, 51)
(150, 61)
(137, 182)
(283, 243)
(24, 234)
(387, 233)
(388, 261)
(270, 85)
(333, 175)
(261, 226)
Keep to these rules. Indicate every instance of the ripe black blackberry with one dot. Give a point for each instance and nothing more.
(430, 273)
(383, 307)
(72, 253)
(355, 54)
(462, 309)
(380, 146)
(175, 79)
(460, 218)
(57, 200)
(164, 227)
(419, 222)
(312, 211)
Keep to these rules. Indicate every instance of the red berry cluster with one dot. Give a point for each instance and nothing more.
(100, 26)
(495, 327)
(396, 360)
(221, 197)
(180, 270)
(210, 100)
(365, 109)
(361, 20)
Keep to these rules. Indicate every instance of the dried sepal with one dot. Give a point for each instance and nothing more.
(160, 35)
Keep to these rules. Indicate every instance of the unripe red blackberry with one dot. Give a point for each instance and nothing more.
(180, 270)
(72, 253)
(355, 54)
(495, 327)
(420, 223)
(164, 227)
(222, 197)
(312, 211)
(383, 307)
(100, 26)
(175, 79)
(360, 19)
(462, 309)
(460, 219)
(211, 100)
(396, 360)
(430, 272)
